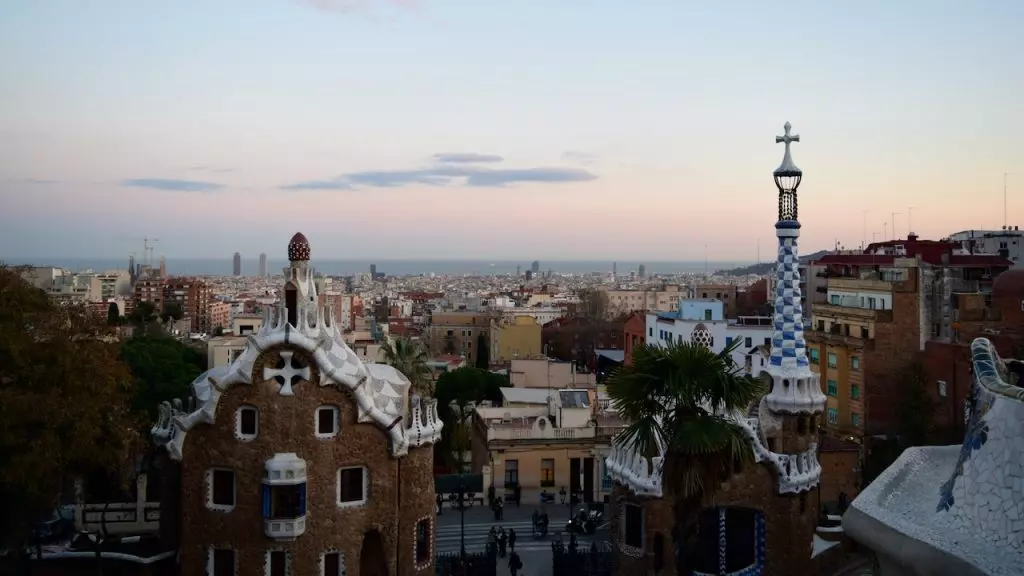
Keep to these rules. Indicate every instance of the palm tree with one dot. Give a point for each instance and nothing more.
(683, 396)
(409, 358)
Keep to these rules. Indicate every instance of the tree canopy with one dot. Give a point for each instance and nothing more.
(163, 369)
(457, 393)
(410, 358)
(682, 396)
(65, 402)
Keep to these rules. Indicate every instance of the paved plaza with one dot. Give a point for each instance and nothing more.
(534, 552)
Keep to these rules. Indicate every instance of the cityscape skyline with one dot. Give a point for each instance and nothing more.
(906, 112)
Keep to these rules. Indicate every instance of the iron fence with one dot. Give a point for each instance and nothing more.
(595, 560)
(472, 564)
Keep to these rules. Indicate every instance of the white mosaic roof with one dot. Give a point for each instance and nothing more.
(380, 391)
(964, 504)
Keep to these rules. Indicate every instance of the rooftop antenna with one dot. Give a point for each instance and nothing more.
(864, 237)
(895, 236)
(1005, 175)
(910, 220)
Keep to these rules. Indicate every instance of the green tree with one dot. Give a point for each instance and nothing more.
(457, 393)
(410, 358)
(483, 352)
(666, 396)
(113, 314)
(163, 369)
(64, 403)
(173, 311)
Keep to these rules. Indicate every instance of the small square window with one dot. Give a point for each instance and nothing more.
(855, 419)
(247, 423)
(748, 342)
(352, 486)
(284, 501)
(332, 564)
(833, 416)
(942, 388)
(278, 563)
(832, 362)
(854, 363)
(220, 489)
(815, 356)
(855, 392)
(833, 388)
(327, 421)
(221, 562)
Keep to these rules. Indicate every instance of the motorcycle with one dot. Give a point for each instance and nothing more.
(585, 522)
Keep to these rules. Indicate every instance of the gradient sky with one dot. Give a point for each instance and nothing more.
(551, 129)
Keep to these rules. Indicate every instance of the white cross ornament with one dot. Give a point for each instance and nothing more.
(291, 370)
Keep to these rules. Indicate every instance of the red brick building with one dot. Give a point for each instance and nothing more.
(575, 339)
(634, 334)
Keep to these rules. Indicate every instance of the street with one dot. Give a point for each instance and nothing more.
(534, 552)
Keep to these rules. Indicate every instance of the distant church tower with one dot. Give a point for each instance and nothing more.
(795, 389)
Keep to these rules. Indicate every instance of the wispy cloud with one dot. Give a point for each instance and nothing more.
(39, 181)
(212, 169)
(577, 157)
(465, 157)
(448, 172)
(171, 184)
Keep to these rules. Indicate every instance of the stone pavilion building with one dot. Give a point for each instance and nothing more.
(762, 520)
(298, 457)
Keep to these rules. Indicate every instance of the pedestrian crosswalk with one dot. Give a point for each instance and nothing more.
(448, 538)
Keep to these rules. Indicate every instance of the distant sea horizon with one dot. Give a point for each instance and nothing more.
(389, 266)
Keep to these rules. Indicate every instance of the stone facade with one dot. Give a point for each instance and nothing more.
(393, 507)
(762, 519)
(297, 449)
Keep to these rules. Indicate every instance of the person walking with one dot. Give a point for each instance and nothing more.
(501, 510)
(502, 542)
(515, 564)
(512, 539)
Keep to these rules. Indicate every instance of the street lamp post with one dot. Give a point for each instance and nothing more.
(462, 519)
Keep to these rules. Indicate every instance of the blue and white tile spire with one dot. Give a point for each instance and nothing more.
(795, 388)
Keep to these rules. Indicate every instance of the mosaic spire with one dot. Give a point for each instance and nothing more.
(795, 387)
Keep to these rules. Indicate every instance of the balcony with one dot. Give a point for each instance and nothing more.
(871, 284)
(522, 434)
(853, 312)
(284, 529)
(839, 339)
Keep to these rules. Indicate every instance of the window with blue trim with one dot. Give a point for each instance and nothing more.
(284, 502)
(728, 341)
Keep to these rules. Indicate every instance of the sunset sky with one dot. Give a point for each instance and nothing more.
(555, 129)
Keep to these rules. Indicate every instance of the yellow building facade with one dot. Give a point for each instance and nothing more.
(519, 337)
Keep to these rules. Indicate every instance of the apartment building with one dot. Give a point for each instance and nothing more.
(704, 322)
(518, 337)
(881, 308)
(457, 332)
(150, 290)
(727, 294)
(577, 338)
(547, 373)
(625, 301)
(544, 441)
(194, 297)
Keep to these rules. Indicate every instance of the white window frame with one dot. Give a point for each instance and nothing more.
(366, 488)
(238, 423)
(316, 422)
(209, 491)
(942, 389)
(210, 555)
(287, 561)
(430, 542)
(342, 571)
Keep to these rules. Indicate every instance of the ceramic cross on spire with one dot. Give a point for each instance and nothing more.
(787, 165)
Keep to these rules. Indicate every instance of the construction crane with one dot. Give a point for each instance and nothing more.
(147, 250)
